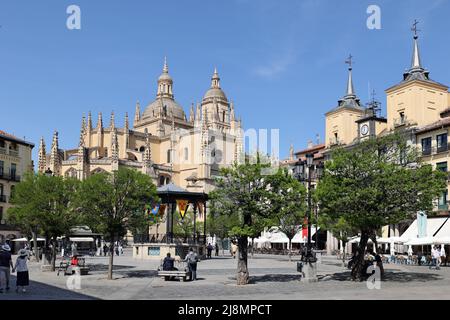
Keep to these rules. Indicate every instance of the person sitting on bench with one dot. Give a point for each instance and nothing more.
(168, 263)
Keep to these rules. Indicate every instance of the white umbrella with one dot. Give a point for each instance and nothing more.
(390, 240)
(442, 240)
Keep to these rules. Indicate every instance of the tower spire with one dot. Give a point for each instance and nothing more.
(415, 61)
(111, 123)
(127, 125)
(137, 112)
(54, 155)
(165, 67)
(350, 90)
(215, 79)
(89, 121)
(100, 121)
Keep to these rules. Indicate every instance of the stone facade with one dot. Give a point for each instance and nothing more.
(15, 161)
(163, 143)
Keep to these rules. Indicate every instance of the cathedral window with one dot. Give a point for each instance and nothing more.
(169, 158)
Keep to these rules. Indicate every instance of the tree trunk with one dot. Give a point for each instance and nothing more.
(53, 254)
(358, 266)
(242, 272)
(111, 259)
(35, 247)
(253, 242)
(223, 247)
(290, 249)
(344, 244)
(47, 255)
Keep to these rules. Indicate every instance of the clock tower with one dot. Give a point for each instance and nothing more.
(371, 125)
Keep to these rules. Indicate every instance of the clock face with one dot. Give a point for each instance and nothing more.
(364, 129)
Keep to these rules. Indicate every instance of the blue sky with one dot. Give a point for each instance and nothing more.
(281, 62)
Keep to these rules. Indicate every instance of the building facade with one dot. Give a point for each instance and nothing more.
(417, 105)
(15, 161)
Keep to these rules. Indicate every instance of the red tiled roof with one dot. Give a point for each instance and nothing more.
(6, 134)
(313, 148)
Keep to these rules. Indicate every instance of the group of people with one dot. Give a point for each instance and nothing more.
(118, 249)
(437, 256)
(210, 248)
(191, 259)
(7, 266)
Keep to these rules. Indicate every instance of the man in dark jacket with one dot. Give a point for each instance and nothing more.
(168, 263)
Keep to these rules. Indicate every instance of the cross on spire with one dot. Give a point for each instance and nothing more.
(414, 28)
(349, 61)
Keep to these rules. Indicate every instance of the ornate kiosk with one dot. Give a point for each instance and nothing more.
(170, 195)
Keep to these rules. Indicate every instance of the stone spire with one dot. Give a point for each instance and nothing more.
(82, 133)
(198, 115)
(83, 123)
(232, 116)
(100, 121)
(165, 83)
(54, 155)
(215, 80)
(89, 121)
(137, 113)
(191, 114)
(42, 160)
(114, 147)
(112, 124)
(127, 125)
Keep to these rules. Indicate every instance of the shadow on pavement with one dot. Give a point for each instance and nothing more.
(388, 276)
(274, 278)
(104, 267)
(138, 273)
(41, 291)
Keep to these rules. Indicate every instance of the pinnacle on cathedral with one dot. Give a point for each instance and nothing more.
(42, 156)
(127, 125)
(89, 122)
(137, 112)
(100, 121)
(54, 154)
(112, 122)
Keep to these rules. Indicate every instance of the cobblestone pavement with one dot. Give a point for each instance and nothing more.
(271, 277)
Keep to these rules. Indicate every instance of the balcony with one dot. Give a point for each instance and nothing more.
(8, 176)
(402, 121)
(334, 142)
(3, 198)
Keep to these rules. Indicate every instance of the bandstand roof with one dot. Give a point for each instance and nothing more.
(169, 193)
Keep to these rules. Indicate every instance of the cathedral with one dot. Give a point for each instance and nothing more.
(163, 143)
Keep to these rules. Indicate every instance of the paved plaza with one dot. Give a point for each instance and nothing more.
(272, 277)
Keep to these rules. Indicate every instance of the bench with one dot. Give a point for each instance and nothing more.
(182, 273)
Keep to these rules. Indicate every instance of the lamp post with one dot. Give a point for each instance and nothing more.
(303, 172)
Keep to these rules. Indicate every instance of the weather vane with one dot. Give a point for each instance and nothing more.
(414, 28)
(349, 61)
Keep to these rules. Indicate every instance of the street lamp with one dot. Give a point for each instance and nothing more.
(303, 171)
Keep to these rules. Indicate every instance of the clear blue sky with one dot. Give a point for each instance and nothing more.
(281, 62)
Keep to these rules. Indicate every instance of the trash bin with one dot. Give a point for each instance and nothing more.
(299, 266)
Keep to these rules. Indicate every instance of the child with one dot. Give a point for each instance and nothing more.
(22, 270)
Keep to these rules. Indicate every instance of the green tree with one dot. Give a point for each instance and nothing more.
(220, 225)
(288, 201)
(184, 227)
(242, 190)
(111, 202)
(44, 204)
(376, 183)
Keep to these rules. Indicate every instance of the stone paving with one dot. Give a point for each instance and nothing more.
(271, 277)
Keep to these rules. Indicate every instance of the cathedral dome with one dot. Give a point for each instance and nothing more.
(215, 91)
(165, 106)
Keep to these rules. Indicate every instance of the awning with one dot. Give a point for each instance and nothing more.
(433, 225)
(444, 231)
(420, 241)
(390, 240)
(442, 240)
(82, 239)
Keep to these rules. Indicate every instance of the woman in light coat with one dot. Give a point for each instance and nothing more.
(22, 270)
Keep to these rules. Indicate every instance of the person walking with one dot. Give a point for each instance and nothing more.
(234, 249)
(105, 249)
(117, 250)
(5, 265)
(22, 271)
(120, 249)
(443, 255)
(192, 259)
(217, 249)
(434, 257)
(209, 249)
